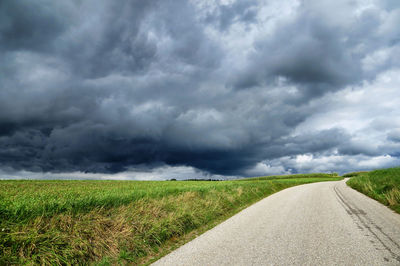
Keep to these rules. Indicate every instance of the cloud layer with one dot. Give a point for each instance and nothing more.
(227, 88)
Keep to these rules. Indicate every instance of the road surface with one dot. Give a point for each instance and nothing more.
(324, 223)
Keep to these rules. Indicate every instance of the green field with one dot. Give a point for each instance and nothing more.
(382, 185)
(109, 222)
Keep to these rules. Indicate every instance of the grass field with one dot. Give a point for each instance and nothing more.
(382, 185)
(109, 222)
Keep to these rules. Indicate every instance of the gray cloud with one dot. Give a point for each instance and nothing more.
(31, 25)
(224, 15)
(321, 51)
(106, 87)
(394, 135)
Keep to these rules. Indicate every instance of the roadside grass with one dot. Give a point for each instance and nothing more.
(352, 174)
(118, 222)
(382, 185)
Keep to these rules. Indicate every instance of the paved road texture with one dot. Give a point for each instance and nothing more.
(324, 223)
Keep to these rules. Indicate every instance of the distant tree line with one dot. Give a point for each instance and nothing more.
(195, 179)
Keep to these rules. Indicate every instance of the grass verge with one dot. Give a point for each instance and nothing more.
(111, 222)
(353, 174)
(382, 185)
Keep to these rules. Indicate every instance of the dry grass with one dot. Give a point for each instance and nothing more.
(393, 196)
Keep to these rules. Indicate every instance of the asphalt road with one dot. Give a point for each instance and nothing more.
(316, 224)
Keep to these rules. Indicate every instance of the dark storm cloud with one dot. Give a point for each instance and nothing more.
(30, 24)
(112, 40)
(104, 86)
(352, 148)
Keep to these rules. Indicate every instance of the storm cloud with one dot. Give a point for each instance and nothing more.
(222, 88)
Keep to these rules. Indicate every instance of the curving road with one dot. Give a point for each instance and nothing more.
(324, 223)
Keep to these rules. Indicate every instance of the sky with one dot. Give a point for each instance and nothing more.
(161, 89)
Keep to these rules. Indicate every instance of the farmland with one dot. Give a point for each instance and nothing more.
(108, 222)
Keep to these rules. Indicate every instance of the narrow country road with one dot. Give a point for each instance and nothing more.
(324, 223)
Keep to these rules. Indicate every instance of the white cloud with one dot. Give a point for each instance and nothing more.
(368, 112)
(307, 163)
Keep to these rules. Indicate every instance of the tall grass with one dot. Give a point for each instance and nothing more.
(382, 185)
(111, 222)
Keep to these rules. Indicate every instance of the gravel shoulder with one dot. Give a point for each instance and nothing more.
(325, 223)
